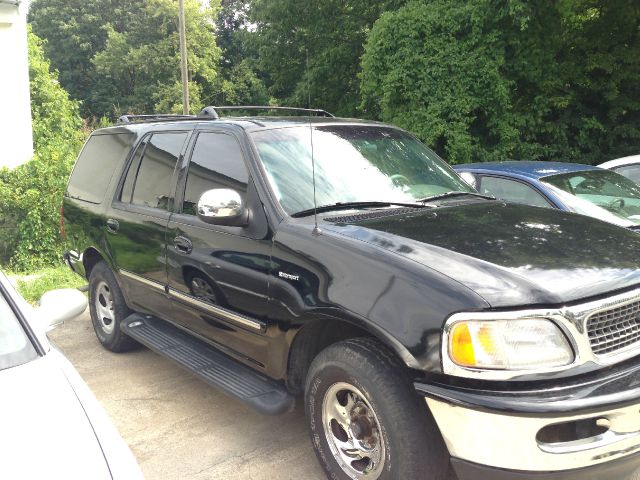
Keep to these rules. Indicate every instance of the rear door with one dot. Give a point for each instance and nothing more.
(218, 275)
(137, 222)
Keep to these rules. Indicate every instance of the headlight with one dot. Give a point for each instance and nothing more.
(518, 344)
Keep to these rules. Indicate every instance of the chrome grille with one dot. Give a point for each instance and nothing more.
(614, 329)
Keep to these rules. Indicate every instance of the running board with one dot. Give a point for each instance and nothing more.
(209, 364)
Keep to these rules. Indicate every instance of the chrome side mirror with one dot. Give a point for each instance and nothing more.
(222, 206)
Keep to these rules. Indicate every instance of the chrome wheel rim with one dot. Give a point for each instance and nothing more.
(353, 432)
(202, 289)
(104, 307)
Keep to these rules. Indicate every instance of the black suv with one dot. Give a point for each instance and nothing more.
(428, 326)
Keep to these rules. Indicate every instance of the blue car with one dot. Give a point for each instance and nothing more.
(573, 187)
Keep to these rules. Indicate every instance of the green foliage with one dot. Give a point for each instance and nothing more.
(494, 79)
(31, 194)
(75, 30)
(330, 34)
(240, 85)
(139, 67)
(119, 56)
(33, 286)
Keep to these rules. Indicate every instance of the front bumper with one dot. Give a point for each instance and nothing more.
(620, 469)
(587, 430)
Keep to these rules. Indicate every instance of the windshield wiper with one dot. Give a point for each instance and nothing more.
(455, 194)
(353, 205)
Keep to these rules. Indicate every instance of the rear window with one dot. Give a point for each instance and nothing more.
(96, 163)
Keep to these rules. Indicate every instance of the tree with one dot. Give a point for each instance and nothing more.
(240, 82)
(31, 194)
(75, 30)
(139, 67)
(122, 56)
(327, 36)
(493, 79)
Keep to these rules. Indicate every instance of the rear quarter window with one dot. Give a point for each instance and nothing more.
(95, 166)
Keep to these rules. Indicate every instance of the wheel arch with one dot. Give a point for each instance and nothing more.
(321, 331)
(90, 258)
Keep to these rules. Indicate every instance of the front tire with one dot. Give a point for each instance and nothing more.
(108, 309)
(365, 419)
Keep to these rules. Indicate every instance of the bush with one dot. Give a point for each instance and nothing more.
(31, 194)
(499, 79)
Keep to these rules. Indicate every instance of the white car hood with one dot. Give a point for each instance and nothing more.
(44, 430)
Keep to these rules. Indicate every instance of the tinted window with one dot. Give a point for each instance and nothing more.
(154, 172)
(127, 188)
(96, 164)
(512, 191)
(216, 162)
(632, 172)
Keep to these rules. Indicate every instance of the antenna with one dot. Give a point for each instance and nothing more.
(309, 91)
(316, 229)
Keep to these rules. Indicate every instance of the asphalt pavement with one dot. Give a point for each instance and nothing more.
(179, 427)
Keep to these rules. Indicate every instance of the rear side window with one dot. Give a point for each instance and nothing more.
(148, 180)
(96, 164)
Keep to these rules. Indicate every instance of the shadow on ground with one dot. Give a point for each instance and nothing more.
(180, 428)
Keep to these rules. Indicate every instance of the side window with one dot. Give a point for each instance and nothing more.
(632, 172)
(216, 162)
(512, 191)
(99, 158)
(149, 177)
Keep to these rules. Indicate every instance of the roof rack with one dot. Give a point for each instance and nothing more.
(152, 118)
(211, 113)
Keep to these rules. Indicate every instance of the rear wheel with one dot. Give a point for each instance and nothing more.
(108, 309)
(366, 420)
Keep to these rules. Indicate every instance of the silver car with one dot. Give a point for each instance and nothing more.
(51, 424)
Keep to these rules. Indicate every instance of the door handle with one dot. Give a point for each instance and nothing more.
(183, 245)
(112, 225)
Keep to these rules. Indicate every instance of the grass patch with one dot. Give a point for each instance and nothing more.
(33, 285)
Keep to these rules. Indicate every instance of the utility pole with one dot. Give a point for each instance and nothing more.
(183, 59)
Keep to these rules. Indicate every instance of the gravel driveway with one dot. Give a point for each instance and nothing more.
(179, 427)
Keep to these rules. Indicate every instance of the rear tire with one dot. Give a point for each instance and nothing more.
(365, 419)
(108, 309)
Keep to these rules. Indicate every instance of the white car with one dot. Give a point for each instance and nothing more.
(51, 425)
(627, 166)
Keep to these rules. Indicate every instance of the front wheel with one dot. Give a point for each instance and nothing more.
(366, 420)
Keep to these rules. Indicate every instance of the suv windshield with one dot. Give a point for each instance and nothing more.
(352, 164)
(599, 193)
(15, 347)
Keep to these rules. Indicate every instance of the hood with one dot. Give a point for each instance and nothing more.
(45, 430)
(511, 255)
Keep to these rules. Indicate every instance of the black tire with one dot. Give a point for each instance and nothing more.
(413, 446)
(108, 332)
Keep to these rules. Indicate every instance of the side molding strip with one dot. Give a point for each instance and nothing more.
(146, 281)
(219, 311)
(241, 320)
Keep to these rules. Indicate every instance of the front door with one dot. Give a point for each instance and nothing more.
(218, 275)
(137, 223)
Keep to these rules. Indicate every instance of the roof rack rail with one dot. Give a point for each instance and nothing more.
(151, 118)
(212, 112)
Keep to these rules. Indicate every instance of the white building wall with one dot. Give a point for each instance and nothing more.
(16, 138)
